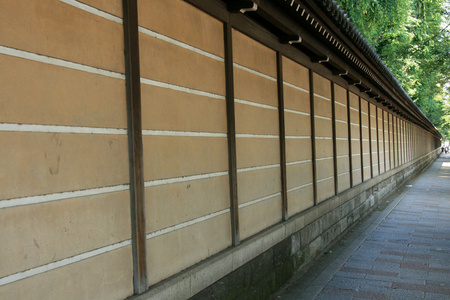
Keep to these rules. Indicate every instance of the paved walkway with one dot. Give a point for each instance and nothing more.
(402, 251)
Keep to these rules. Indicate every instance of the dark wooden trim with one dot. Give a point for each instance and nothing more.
(136, 152)
(349, 122)
(217, 9)
(231, 126)
(281, 120)
(361, 138)
(313, 133)
(333, 118)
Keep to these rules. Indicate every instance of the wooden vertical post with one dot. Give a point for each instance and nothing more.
(282, 136)
(313, 133)
(349, 121)
(136, 159)
(231, 126)
(333, 120)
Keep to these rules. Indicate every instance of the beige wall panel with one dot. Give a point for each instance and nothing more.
(341, 147)
(43, 163)
(34, 235)
(343, 182)
(325, 189)
(182, 22)
(357, 179)
(295, 73)
(38, 93)
(297, 125)
(169, 156)
(55, 29)
(364, 120)
(171, 204)
(355, 131)
(259, 216)
(340, 94)
(354, 116)
(113, 7)
(367, 173)
(257, 184)
(343, 165)
(296, 100)
(301, 199)
(322, 107)
(249, 152)
(184, 247)
(254, 88)
(298, 150)
(324, 148)
(341, 112)
(323, 127)
(356, 148)
(107, 276)
(354, 100)
(164, 109)
(324, 168)
(166, 62)
(356, 161)
(251, 54)
(256, 120)
(341, 130)
(299, 174)
(322, 86)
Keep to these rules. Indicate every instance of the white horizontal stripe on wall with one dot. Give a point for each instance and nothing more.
(249, 169)
(59, 129)
(255, 104)
(342, 139)
(324, 158)
(298, 162)
(325, 179)
(344, 173)
(186, 224)
(183, 179)
(180, 88)
(182, 133)
(339, 103)
(323, 138)
(342, 156)
(259, 200)
(294, 137)
(295, 87)
(352, 108)
(59, 62)
(179, 44)
(93, 10)
(341, 121)
(62, 263)
(323, 118)
(257, 136)
(61, 196)
(297, 112)
(322, 97)
(355, 170)
(254, 72)
(299, 187)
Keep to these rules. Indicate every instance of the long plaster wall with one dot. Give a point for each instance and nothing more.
(304, 145)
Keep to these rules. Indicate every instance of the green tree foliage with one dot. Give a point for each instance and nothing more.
(412, 37)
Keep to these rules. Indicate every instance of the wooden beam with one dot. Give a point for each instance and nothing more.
(231, 125)
(133, 92)
(282, 136)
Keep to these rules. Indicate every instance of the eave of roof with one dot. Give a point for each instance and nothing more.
(322, 30)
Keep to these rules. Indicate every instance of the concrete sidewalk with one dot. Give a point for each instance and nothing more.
(402, 251)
